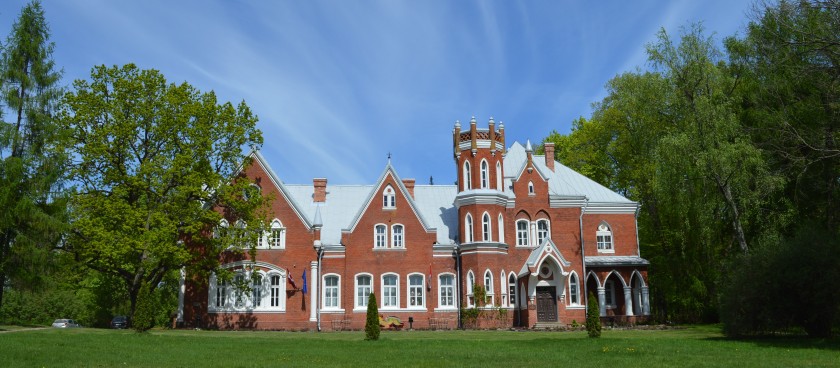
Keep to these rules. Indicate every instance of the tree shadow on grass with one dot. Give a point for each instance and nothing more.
(786, 342)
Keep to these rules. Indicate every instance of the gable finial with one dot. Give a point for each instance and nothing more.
(389, 157)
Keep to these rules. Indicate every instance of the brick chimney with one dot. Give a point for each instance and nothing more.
(409, 184)
(320, 194)
(549, 155)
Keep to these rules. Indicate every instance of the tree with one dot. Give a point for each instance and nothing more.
(157, 166)
(593, 317)
(372, 322)
(31, 161)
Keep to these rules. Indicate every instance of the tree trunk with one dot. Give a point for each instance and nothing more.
(736, 215)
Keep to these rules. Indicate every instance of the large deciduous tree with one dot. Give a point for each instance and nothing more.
(31, 161)
(156, 165)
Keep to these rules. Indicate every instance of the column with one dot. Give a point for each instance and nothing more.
(628, 301)
(313, 291)
(645, 301)
(602, 301)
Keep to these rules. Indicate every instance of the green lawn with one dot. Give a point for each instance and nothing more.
(693, 346)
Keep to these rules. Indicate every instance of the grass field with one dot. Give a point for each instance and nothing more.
(692, 346)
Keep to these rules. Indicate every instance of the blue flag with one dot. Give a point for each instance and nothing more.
(304, 281)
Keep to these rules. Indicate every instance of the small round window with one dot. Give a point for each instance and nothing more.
(545, 271)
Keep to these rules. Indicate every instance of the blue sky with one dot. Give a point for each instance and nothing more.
(338, 85)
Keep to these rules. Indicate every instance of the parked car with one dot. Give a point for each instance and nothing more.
(65, 323)
(119, 322)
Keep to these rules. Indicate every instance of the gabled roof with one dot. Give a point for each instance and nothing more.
(260, 160)
(563, 181)
(389, 170)
(546, 250)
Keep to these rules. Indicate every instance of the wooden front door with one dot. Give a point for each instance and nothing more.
(546, 304)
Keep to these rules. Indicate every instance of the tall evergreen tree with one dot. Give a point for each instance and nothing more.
(31, 162)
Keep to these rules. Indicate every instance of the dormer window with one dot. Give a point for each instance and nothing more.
(484, 174)
(530, 188)
(388, 198)
(277, 235)
(604, 238)
(467, 176)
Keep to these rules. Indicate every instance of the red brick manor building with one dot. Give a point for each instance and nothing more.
(536, 235)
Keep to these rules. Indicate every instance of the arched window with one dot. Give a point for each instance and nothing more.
(221, 230)
(390, 291)
(277, 235)
(239, 291)
(530, 188)
(397, 236)
(503, 289)
(446, 291)
(415, 291)
(485, 227)
(488, 287)
(542, 231)
(499, 178)
(388, 198)
(468, 229)
(364, 286)
(574, 289)
(512, 288)
(484, 174)
(470, 284)
(604, 238)
(379, 236)
(522, 233)
(501, 226)
(331, 292)
(467, 176)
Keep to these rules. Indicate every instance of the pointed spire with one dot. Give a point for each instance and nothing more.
(317, 222)
(528, 147)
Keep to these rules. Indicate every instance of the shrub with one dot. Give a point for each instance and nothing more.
(144, 313)
(372, 322)
(784, 286)
(593, 317)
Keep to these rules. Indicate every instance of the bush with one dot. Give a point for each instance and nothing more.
(593, 317)
(372, 322)
(144, 313)
(784, 286)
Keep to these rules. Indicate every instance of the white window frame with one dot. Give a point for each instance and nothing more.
(397, 239)
(604, 238)
(361, 299)
(257, 299)
(380, 241)
(499, 177)
(468, 228)
(574, 289)
(486, 228)
(511, 289)
(277, 291)
(257, 283)
(485, 173)
(416, 291)
(523, 238)
(470, 284)
(531, 188)
(501, 228)
(276, 235)
(467, 176)
(446, 291)
(503, 301)
(488, 289)
(546, 232)
(387, 289)
(331, 294)
(389, 200)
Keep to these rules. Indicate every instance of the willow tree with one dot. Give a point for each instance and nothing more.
(156, 165)
(31, 163)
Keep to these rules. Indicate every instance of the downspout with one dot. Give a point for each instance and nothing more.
(638, 249)
(318, 297)
(583, 254)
